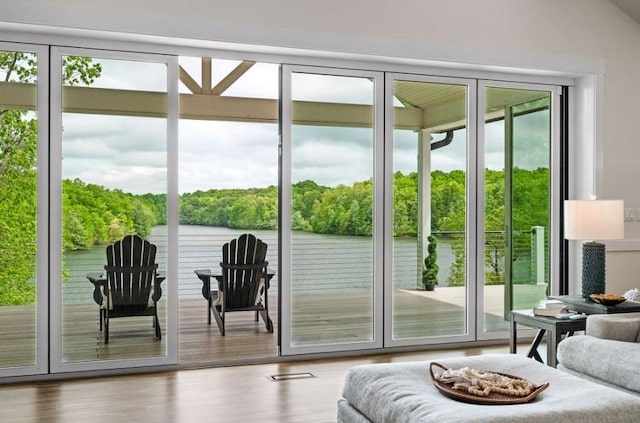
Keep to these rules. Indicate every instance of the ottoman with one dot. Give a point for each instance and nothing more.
(403, 392)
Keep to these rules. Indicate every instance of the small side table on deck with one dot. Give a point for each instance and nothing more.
(554, 328)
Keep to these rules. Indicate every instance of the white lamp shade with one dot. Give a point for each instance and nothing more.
(594, 219)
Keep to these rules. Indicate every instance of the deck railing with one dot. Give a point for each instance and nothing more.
(321, 262)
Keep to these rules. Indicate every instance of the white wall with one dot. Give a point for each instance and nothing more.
(486, 31)
(564, 35)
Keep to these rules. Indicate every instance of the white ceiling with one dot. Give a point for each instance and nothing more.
(630, 7)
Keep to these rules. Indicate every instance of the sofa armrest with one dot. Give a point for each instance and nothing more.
(613, 362)
(618, 327)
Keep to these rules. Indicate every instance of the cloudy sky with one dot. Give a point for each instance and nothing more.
(129, 153)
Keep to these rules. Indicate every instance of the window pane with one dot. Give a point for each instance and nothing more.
(114, 170)
(332, 209)
(18, 205)
(517, 197)
(429, 210)
(228, 186)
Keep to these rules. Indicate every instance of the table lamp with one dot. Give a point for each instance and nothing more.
(589, 221)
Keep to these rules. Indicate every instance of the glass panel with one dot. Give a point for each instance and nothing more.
(228, 186)
(18, 204)
(332, 160)
(517, 197)
(429, 210)
(114, 170)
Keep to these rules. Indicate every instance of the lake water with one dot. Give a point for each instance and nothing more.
(321, 262)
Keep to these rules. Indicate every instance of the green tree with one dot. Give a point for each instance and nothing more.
(95, 215)
(254, 208)
(304, 196)
(405, 204)
(494, 222)
(18, 178)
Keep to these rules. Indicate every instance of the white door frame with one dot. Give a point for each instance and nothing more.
(171, 285)
(471, 248)
(555, 203)
(285, 205)
(42, 218)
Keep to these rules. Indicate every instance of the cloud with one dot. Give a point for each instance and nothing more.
(329, 88)
(227, 155)
(531, 145)
(118, 152)
(130, 153)
(132, 75)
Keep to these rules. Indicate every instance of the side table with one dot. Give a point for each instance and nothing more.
(585, 305)
(554, 328)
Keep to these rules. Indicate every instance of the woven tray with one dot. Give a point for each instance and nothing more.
(493, 398)
(607, 300)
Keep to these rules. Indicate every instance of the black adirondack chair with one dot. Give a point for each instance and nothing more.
(132, 286)
(244, 282)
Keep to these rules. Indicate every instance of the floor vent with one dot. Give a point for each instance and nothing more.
(290, 376)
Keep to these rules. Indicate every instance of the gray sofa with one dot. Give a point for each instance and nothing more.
(609, 353)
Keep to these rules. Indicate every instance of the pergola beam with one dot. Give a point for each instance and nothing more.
(114, 102)
(232, 77)
(16, 95)
(206, 75)
(204, 107)
(188, 81)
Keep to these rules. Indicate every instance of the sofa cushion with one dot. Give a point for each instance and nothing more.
(403, 392)
(615, 362)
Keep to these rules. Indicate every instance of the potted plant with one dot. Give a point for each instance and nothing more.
(430, 272)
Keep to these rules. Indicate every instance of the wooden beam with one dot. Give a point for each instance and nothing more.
(407, 118)
(235, 109)
(114, 102)
(190, 83)
(17, 95)
(204, 107)
(206, 75)
(332, 114)
(440, 117)
(233, 76)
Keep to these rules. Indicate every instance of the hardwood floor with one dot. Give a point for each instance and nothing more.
(226, 394)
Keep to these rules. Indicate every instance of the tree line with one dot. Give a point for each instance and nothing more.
(348, 210)
(95, 215)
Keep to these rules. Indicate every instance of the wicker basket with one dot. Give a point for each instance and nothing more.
(493, 398)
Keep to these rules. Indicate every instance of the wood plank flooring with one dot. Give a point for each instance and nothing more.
(226, 394)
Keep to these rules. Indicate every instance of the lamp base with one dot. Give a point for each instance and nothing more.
(593, 268)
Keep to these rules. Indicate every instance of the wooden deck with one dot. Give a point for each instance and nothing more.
(319, 318)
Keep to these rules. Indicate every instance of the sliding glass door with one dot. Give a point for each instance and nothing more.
(466, 200)
(23, 208)
(331, 202)
(429, 287)
(412, 209)
(115, 132)
(228, 164)
(519, 132)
